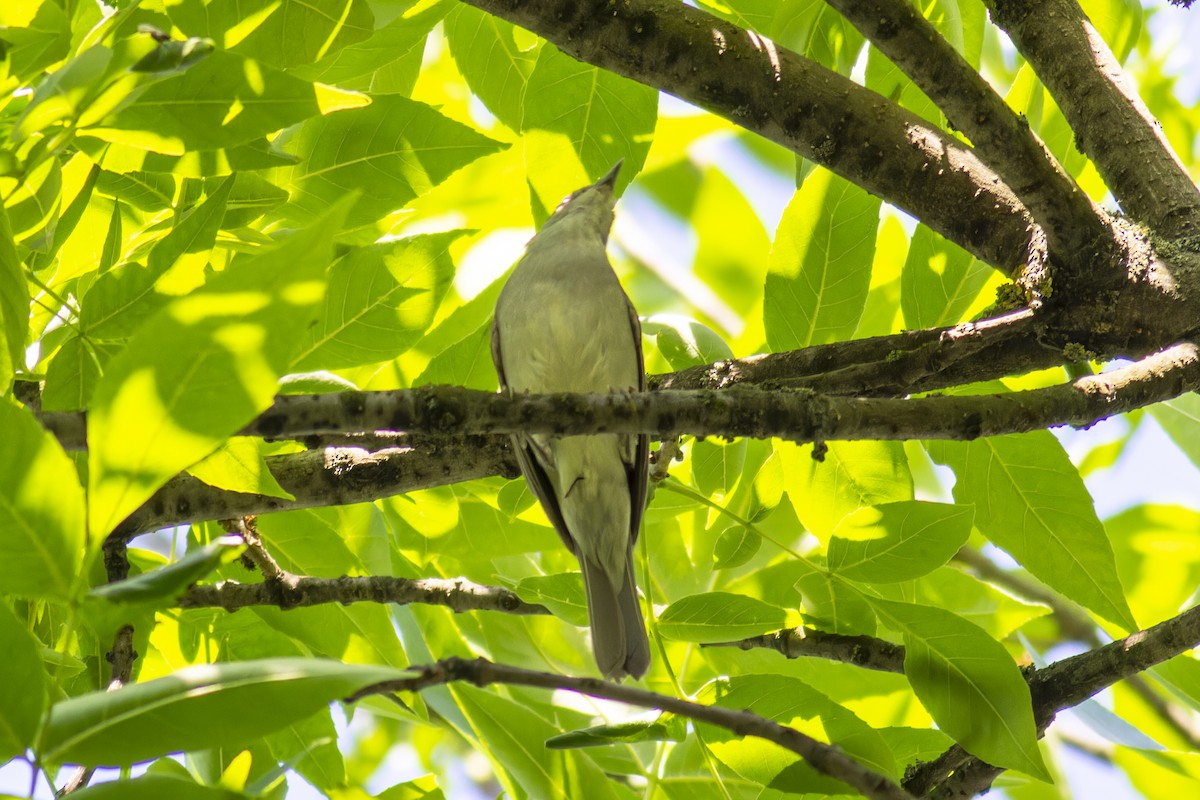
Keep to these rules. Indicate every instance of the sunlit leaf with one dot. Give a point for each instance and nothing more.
(1030, 501)
(41, 510)
(820, 263)
(23, 696)
(969, 683)
(191, 709)
(719, 617)
(200, 368)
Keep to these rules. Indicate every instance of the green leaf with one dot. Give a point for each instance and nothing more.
(717, 617)
(898, 541)
(513, 736)
(910, 745)
(812, 28)
(170, 581)
(398, 147)
(249, 199)
(940, 281)
(994, 610)
(561, 593)
(315, 383)
(41, 510)
(124, 158)
(71, 376)
(1180, 418)
(198, 707)
(685, 342)
(851, 475)
(659, 728)
(240, 466)
(221, 101)
(14, 300)
(735, 546)
(797, 705)
(65, 94)
(1030, 502)
(281, 33)
(820, 265)
(717, 467)
(396, 47)
(156, 787)
(114, 241)
(1157, 559)
(832, 604)
(495, 65)
(148, 191)
(23, 692)
(467, 362)
(969, 684)
(423, 788)
(34, 40)
(200, 369)
(381, 300)
(592, 114)
(194, 234)
(172, 54)
(732, 246)
(120, 301)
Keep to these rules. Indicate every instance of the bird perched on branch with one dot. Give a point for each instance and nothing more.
(564, 324)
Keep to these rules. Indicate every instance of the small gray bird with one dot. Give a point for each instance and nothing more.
(564, 324)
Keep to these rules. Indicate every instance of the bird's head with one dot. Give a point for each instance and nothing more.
(592, 205)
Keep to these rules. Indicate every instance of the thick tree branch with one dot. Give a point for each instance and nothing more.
(339, 476)
(740, 411)
(1073, 224)
(892, 365)
(798, 104)
(824, 758)
(1112, 125)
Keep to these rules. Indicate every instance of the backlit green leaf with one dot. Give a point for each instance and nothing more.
(1030, 501)
(820, 264)
(969, 683)
(193, 709)
(719, 617)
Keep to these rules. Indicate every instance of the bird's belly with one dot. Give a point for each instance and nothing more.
(573, 347)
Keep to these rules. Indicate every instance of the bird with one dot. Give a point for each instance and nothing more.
(564, 324)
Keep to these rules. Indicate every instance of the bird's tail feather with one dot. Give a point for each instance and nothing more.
(619, 639)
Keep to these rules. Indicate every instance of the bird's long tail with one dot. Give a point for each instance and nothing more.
(619, 639)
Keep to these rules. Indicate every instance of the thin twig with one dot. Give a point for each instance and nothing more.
(861, 651)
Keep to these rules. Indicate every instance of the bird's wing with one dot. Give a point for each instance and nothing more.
(640, 468)
(529, 457)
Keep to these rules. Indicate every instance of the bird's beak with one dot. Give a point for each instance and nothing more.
(610, 180)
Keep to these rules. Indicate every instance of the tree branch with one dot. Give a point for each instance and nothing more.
(867, 652)
(741, 411)
(457, 594)
(797, 103)
(1073, 224)
(893, 365)
(1097, 98)
(341, 476)
(825, 758)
